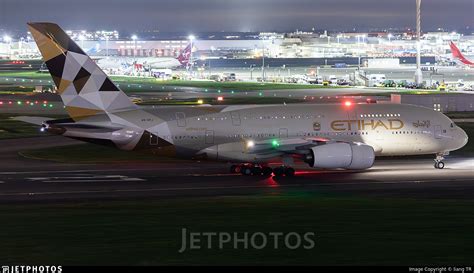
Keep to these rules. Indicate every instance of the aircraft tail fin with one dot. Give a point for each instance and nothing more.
(185, 56)
(84, 88)
(457, 54)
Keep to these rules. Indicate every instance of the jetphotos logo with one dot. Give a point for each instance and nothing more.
(246, 240)
(32, 269)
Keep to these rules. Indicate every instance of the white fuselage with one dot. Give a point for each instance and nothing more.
(391, 129)
(147, 62)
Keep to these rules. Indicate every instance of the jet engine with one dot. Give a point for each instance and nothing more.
(341, 155)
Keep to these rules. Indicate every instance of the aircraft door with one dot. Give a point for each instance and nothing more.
(235, 116)
(437, 131)
(283, 133)
(209, 138)
(181, 119)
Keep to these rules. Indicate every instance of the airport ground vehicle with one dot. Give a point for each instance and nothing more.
(376, 79)
(442, 87)
(162, 73)
(326, 136)
(332, 79)
(342, 82)
(135, 99)
(389, 83)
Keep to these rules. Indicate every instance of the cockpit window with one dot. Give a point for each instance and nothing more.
(452, 125)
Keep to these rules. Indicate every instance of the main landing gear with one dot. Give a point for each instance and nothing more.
(439, 164)
(253, 169)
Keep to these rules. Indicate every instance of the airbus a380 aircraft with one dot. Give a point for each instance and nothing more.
(324, 136)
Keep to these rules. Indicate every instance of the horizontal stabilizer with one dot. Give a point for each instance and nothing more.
(32, 120)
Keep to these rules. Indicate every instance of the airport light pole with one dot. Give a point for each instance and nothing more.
(134, 38)
(8, 40)
(418, 73)
(135, 70)
(191, 63)
(263, 61)
(82, 38)
(251, 71)
(20, 45)
(107, 46)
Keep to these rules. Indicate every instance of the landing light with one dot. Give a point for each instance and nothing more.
(250, 144)
(220, 98)
(200, 101)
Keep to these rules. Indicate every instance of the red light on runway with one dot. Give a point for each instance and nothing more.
(270, 182)
(220, 98)
(348, 103)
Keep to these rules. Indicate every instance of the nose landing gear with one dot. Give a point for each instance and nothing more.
(439, 164)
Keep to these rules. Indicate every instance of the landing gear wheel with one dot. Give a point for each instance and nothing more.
(290, 172)
(257, 170)
(279, 171)
(267, 171)
(233, 169)
(440, 165)
(246, 170)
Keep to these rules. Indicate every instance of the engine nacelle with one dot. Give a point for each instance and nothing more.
(236, 152)
(341, 155)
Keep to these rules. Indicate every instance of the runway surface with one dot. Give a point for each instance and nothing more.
(30, 180)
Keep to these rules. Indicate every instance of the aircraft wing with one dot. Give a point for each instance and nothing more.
(285, 146)
(68, 124)
(317, 152)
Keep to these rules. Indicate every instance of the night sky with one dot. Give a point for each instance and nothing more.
(237, 15)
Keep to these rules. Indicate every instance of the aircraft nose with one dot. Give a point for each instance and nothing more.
(462, 138)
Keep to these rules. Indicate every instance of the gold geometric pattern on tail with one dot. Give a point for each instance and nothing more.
(77, 113)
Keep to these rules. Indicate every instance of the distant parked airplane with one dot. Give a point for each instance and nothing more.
(459, 57)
